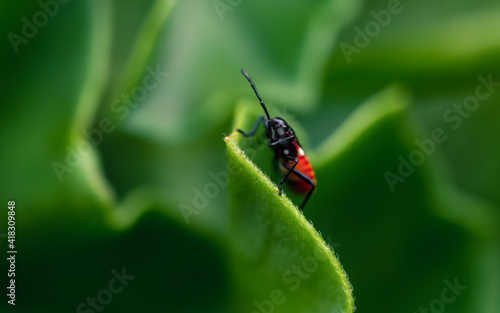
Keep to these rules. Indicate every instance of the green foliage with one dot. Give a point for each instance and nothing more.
(275, 249)
(112, 120)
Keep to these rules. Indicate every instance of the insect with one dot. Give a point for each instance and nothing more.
(293, 163)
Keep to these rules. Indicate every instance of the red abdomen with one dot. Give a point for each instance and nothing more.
(297, 184)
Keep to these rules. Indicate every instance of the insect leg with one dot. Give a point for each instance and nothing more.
(296, 159)
(254, 129)
(272, 144)
(307, 180)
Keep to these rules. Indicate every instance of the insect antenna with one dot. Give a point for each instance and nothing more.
(256, 92)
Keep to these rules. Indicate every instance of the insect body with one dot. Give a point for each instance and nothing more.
(292, 161)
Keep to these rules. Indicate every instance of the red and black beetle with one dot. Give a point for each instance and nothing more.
(293, 162)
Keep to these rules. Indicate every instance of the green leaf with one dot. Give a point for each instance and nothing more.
(54, 168)
(207, 55)
(136, 53)
(373, 221)
(279, 259)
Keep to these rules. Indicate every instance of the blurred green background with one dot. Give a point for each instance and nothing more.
(113, 114)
